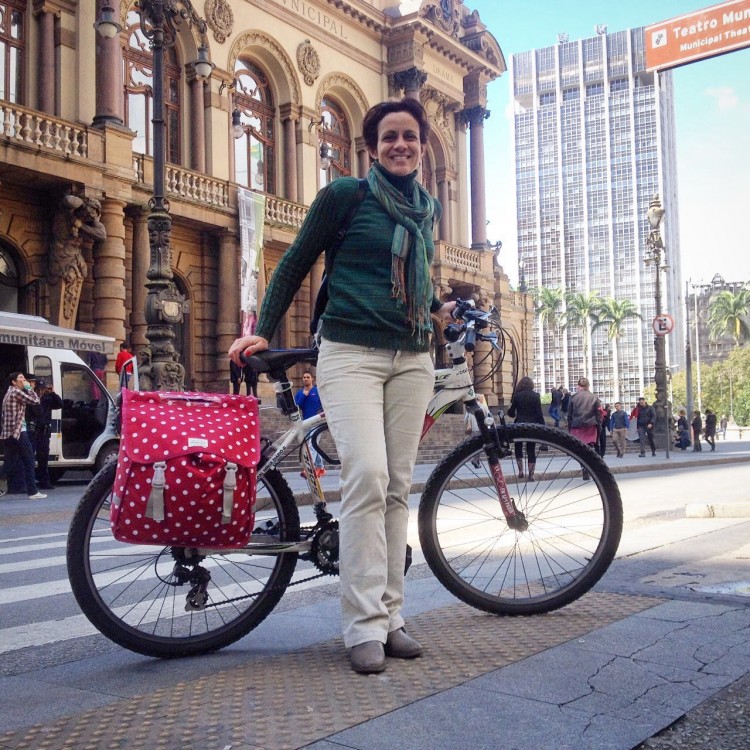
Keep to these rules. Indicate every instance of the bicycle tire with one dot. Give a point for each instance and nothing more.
(130, 594)
(574, 524)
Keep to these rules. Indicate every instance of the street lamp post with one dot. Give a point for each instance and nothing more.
(161, 368)
(655, 250)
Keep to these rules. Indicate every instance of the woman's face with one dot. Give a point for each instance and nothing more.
(399, 149)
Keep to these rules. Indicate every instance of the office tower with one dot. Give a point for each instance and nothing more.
(594, 141)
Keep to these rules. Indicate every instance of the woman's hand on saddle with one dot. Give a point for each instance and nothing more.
(247, 345)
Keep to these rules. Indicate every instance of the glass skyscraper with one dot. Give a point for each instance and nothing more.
(594, 141)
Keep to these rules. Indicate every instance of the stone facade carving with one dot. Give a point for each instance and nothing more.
(445, 15)
(337, 80)
(220, 19)
(255, 39)
(308, 62)
(77, 220)
(410, 79)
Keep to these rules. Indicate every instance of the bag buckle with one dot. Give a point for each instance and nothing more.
(155, 504)
(230, 485)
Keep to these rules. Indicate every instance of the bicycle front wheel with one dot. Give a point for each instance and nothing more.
(137, 595)
(572, 507)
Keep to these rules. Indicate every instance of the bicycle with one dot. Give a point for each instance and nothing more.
(500, 543)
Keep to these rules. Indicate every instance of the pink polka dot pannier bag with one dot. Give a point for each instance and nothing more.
(186, 469)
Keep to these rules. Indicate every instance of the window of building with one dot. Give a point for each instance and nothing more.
(336, 136)
(12, 45)
(254, 153)
(139, 92)
(594, 89)
(547, 99)
(8, 282)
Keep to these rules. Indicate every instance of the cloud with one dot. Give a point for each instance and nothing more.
(725, 96)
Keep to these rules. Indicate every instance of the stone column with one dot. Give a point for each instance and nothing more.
(475, 117)
(290, 117)
(411, 81)
(46, 71)
(141, 262)
(110, 273)
(109, 81)
(197, 123)
(228, 322)
(363, 157)
(444, 196)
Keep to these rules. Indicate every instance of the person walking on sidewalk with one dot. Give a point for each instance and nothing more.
(619, 422)
(584, 416)
(644, 419)
(375, 374)
(556, 404)
(709, 431)
(526, 406)
(18, 449)
(308, 401)
(697, 425)
(723, 424)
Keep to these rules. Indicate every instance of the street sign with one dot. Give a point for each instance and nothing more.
(663, 324)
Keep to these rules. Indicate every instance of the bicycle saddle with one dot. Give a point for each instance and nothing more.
(276, 360)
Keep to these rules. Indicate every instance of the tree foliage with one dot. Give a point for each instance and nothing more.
(727, 313)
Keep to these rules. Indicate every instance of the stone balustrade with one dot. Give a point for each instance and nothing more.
(284, 213)
(38, 129)
(462, 258)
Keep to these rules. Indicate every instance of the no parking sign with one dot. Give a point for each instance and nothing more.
(663, 324)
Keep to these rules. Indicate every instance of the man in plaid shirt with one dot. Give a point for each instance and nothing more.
(18, 449)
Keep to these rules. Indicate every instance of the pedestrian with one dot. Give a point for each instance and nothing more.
(98, 363)
(556, 404)
(619, 421)
(564, 402)
(375, 375)
(19, 452)
(239, 374)
(709, 430)
(122, 357)
(724, 423)
(584, 416)
(526, 406)
(697, 425)
(645, 416)
(308, 401)
(683, 431)
(48, 402)
(603, 429)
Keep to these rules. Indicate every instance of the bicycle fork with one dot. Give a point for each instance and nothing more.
(494, 450)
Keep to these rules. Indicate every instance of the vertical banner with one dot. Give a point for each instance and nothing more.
(252, 207)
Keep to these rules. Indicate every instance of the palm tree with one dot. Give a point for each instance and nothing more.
(727, 313)
(549, 307)
(612, 314)
(581, 310)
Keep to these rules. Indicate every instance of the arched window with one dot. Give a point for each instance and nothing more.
(12, 47)
(428, 173)
(139, 92)
(254, 151)
(8, 282)
(338, 143)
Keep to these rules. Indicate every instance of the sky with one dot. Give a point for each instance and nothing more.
(712, 116)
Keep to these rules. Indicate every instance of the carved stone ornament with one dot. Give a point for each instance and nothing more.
(444, 14)
(308, 62)
(220, 19)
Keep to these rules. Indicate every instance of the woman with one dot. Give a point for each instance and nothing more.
(697, 425)
(709, 430)
(584, 416)
(526, 406)
(375, 376)
(605, 415)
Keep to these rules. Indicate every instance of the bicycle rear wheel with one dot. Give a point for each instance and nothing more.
(136, 595)
(574, 514)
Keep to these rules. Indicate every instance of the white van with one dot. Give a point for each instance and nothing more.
(84, 431)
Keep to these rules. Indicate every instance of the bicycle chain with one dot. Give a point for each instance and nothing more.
(273, 588)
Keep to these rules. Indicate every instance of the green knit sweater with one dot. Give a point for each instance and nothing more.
(360, 308)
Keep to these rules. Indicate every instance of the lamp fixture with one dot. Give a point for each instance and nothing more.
(325, 156)
(237, 129)
(203, 66)
(107, 25)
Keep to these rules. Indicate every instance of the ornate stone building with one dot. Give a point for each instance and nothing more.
(280, 114)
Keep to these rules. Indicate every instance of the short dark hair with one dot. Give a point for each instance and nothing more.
(525, 384)
(375, 114)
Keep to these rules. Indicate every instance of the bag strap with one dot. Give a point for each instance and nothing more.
(362, 189)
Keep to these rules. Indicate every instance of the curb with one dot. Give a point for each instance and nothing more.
(718, 510)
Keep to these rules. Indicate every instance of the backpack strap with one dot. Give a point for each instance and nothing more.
(362, 189)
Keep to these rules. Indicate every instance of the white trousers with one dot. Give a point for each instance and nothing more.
(375, 402)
